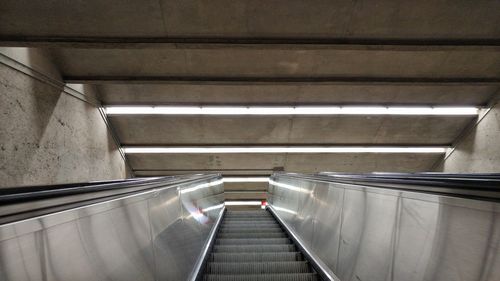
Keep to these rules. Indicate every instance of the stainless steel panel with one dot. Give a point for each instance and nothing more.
(154, 235)
(366, 233)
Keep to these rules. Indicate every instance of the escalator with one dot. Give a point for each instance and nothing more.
(251, 245)
(330, 226)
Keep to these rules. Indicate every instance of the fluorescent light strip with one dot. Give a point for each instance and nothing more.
(291, 110)
(246, 179)
(243, 203)
(287, 149)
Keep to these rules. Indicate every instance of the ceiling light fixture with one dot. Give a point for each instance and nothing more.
(245, 179)
(288, 149)
(242, 203)
(291, 110)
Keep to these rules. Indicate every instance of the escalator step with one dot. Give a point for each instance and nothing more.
(256, 257)
(249, 222)
(253, 224)
(253, 248)
(246, 213)
(243, 219)
(257, 267)
(248, 217)
(233, 215)
(264, 277)
(251, 230)
(255, 241)
(252, 235)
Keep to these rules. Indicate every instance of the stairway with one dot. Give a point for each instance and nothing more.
(251, 246)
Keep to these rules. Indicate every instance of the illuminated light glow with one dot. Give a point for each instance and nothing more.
(288, 149)
(197, 215)
(242, 203)
(291, 110)
(213, 208)
(290, 187)
(246, 179)
(200, 186)
(285, 210)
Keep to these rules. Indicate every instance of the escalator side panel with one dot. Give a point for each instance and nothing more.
(153, 235)
(367, 233)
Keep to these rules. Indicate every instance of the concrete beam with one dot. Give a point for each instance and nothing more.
(225, 172)
(251, 43)
(287, 130)
(317, 93)
(246, 186)
(242, 80)
(304, 163)
(277, 66)
(245, 195)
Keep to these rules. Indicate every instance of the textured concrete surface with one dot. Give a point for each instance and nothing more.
(245, 186)
(479, 151)
(47, 136)
(244, 195)
(261, 18)
(227, 172)
(39, 60)
(306, 163)
(265, 61)
(165, 130)
(295, 94)
(434, 52)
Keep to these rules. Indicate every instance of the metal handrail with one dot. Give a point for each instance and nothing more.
(14, 204)
(469, 186)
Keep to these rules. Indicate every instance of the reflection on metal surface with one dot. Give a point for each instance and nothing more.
(219, 206)
(289, 186)
(366, 233)
(154, 235)
(200, 186)
(323, 270)
(285, 210)
(197, 269)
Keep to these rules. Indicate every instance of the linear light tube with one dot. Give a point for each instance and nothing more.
(288, 149)
(243, 203)
(291, 110)
(246, 179)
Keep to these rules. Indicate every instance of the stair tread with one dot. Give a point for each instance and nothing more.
(256, 256)
(263, 277)
(257, 267)
(255, 248)
(251, 246)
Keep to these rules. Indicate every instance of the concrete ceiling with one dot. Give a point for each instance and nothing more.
(273, 64)
(289, 130)
(297, 93)
(272, 52)
(383, 19)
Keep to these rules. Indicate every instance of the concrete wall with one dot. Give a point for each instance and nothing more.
(48, 133)
(479, 150)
